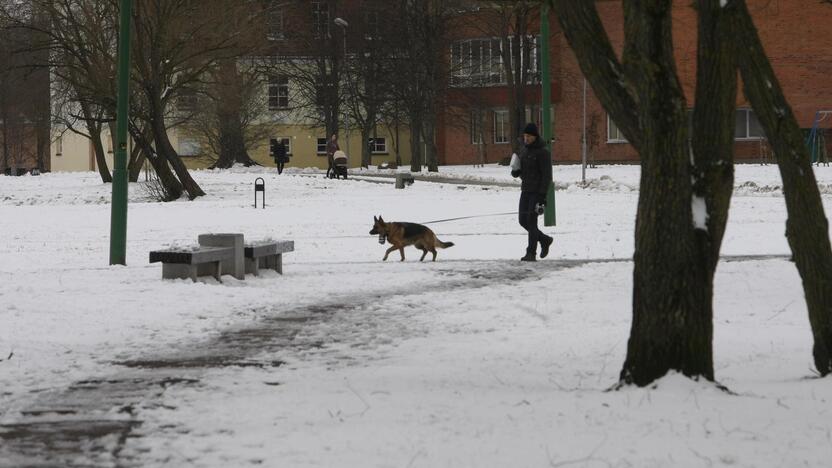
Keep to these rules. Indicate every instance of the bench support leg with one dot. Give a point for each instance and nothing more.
(253, 266)
(217, 266)
(272, 262)
(178, 271)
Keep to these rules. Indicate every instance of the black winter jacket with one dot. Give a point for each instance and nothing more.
(535, 168)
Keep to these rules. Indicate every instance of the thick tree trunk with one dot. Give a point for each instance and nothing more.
(100, 156)
(366, 155)
(94, 130)
(172, 186)
(232, 142)
(137, 157)
(166, 151)
(43, 144)
(229, 111)
(713, 124)
(134, 167)
(671, 327)
(807, 228)
(415, 144)
(397, 141)
(586, 35)
(428, 131)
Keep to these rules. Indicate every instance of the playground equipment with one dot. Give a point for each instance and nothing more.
(816, 139)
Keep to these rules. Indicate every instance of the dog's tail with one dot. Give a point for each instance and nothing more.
(443, 245)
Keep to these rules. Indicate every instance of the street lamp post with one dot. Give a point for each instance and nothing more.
(340, 22)
(118, 213)
(583, 141)
(546, 97)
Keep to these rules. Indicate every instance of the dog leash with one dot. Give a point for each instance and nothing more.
(470, 217)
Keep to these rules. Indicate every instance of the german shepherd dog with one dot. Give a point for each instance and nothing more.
(400, 235)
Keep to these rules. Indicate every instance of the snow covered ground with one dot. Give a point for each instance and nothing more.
(475, 360)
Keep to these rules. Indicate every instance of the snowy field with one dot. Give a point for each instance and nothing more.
(477, 360)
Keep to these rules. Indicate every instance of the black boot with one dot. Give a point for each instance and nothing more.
(529, 257)
(545, 243)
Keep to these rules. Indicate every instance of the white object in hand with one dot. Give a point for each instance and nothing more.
(515, 162)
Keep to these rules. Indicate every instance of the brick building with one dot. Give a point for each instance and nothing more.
(24, 105)
(796, 36)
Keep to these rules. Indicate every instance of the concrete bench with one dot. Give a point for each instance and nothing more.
(192, 263)
(266, 255)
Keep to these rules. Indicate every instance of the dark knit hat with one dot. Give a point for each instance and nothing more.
(531, 129)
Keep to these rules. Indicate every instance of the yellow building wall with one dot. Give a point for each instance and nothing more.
(72, 152)
(303, 148)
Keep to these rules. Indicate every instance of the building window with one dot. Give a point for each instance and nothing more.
(278, 92)
(287, 142)
(320, 19)
(188, 147)
(379, 145)
(479, 62)
(59, 145)
(747, 126)
(321, 149)
(501, 126)
(276, 23)
(614, 135)
(476, 128)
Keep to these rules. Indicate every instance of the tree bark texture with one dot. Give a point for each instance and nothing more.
(229, 110)
(671, 328)
(172, 186)
(586, 35)
(713, 124)
(807, 228)
(134, 167)
(94, 129)
(165, 150)
(415, 143)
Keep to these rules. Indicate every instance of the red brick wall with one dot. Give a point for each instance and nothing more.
(797, 38)
(454, 138)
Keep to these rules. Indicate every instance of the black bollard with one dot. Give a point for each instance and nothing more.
(260, 186)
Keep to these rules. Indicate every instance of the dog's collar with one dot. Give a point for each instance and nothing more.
(382, 239)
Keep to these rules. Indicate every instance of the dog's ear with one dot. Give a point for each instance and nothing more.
(375, 219)
(380, 219)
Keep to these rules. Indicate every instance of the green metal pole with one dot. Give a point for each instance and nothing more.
(546, 95)
(118, 214)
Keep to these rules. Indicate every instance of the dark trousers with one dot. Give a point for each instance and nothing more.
(528, 219)
(280, 167)
(330, 169)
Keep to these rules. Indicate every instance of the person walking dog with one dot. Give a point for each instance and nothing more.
(535, 172)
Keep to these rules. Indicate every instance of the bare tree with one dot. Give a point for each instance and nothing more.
(310, 60)
(672, 280)
(807, 228)
(423, 76)
(368, 72)
(509, 24)
(225, 115)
